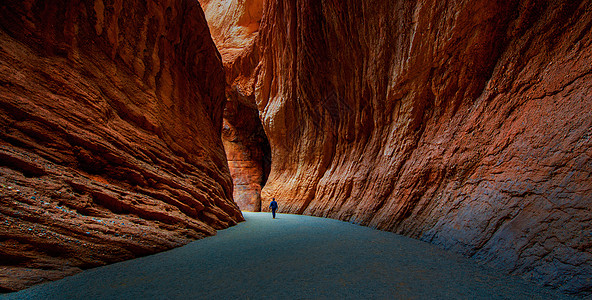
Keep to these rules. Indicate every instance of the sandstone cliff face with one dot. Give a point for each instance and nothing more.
(111, 116)
(234, 25)
(466, 124)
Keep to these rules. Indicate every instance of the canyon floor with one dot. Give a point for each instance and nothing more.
(294, 256)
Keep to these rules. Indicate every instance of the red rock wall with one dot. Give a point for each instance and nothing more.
(111, 116)
(234, 25)
(466, 124)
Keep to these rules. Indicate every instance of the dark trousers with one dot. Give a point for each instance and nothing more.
(273, 212)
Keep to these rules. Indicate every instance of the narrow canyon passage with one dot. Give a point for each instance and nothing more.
(294, 257)
(132, 127)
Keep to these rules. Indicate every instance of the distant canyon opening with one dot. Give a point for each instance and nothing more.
(234, 26)
(248, 152)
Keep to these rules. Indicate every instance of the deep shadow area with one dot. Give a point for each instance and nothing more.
(294, 257)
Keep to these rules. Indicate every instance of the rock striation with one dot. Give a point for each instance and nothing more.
(111, 117)
(466, 124)
(235, 26)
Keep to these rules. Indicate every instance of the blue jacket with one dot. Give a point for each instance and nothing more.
(273, 205)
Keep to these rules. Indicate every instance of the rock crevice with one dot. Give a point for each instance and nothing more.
(235, 26)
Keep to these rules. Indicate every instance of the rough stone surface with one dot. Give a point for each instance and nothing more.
(234, 25)
(467, 124)
(248, 153)
(110, 148)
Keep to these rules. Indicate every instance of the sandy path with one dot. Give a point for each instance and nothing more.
(291, 257)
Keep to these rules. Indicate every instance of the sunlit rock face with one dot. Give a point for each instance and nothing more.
(235, 26)
(111, 116)
(466, 124)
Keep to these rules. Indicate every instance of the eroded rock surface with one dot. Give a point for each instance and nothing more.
(467, 124)
(235, 25)
(111, 116)
(248, 153)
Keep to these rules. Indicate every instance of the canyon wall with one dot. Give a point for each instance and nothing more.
(466, 124)
(235, 26)
(111, 116)
(248, 153)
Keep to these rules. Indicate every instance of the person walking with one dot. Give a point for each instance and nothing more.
(274, 206)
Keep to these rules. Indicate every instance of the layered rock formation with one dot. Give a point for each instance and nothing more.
(234, 25)
(466, 124)
(111, 116)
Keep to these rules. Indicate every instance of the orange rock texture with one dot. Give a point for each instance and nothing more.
(466, 124)
(111, 116)
(234, 25)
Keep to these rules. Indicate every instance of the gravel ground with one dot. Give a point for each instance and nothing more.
(294, 257)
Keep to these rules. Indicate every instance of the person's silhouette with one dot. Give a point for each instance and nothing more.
(274, 206)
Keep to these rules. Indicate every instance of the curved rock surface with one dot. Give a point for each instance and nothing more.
(110, 148)
(466, 124)
(234, 25)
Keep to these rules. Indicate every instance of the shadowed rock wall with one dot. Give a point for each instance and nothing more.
(110, 116)
(466, 124)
